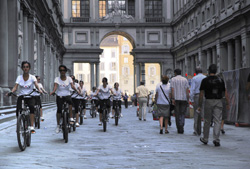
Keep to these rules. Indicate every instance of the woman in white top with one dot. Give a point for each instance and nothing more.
(94, 99)
(104, 95)
(163, 105)
(26, 83)
(117, 96)
(83, 98)
(62, 86)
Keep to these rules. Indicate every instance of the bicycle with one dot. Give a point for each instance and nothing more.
(105, 113)
(92, 110)
(37, 116)
(117, 111)
(81, 109)
(23, 123)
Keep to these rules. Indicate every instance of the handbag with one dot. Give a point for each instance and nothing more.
(172, 107)
(154, 112)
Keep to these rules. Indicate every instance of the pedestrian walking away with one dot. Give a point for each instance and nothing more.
(212, 87)
(180, 98)
(194, 97)
(142, 95)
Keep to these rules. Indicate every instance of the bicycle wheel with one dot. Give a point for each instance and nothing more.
(104, 120)
(21, 132)
(38, 118)
(28, 132)
(81, 117)
(65, 126)
(116, 116)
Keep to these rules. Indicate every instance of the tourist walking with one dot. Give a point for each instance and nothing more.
(162, 99)
(180, 98)
(194, 97)
(212, 87)
(142, 96)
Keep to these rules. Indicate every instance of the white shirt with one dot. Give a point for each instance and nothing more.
(180, 85)
(104, 92)
(195, 85)
(37, 93)
(117, 94)
(83, 92)
(25, 87)
(92, 95)
(75, 95)
(63, 88)
(161, 99)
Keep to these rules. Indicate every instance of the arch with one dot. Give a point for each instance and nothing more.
(122, 33)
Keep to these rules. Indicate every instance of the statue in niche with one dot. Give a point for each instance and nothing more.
(35, 50)
(116, 7)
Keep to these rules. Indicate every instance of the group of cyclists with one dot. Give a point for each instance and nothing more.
(66, 88)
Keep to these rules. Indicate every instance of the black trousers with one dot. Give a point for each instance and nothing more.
(29, 101)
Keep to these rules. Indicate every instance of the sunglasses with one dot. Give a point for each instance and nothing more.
(26, 67)
(38, 79)
(62, 70)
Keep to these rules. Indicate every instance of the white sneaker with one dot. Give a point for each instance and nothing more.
(57, 129)
(32, 129)
(42, 119)
(100, 123)
(121, 115)
(77, 125)
(85, 117)
(72, 120)
(110, 116)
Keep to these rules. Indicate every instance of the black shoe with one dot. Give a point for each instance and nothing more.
(161, 131)
(216, 144)
(222, 131)
(169, 123)
(180, 131)
(139, 118)
(203, 141)
(145, 120)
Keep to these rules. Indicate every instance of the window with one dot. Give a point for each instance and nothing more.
(122, 6)
(112, 78)
(80, 8)
(208, 13)
(131, 7)
(113, 53)
(125, 71)
(125, 60)
(203, 16)
(214, 9)
(112, 66)
(80, 76)
(125, 49)
(102, 8)
(152, 82)
(222, 5)
(151, 71)
(102, 66)
(153, 8)
(79, 66)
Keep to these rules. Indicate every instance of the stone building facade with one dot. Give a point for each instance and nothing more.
(30, 30)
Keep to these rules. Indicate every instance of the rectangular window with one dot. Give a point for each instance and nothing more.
(80, 8)
(125, 60)
(153, 8)
(102, 8)
(79, 66)
(131, 7)
(113, 78)
(102, 66)
(121, 4)
(113, 53)
(112, 66)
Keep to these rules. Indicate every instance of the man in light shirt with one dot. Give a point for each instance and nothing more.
(142, 94)
(194, 97)
(180, 98)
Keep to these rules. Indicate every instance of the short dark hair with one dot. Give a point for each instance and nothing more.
(164, 79)
(142, 83)
(104, 79)
(37, 76)
(116, 83)
(177, 71)
(93, 88)
(198, 70)
(63, 67)
(76, 80)
(81, 82)
(212, 68)
(25, 62)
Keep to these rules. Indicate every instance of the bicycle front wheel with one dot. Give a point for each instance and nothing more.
(104, 120)
(116, 116)
(21, 132)
(65, 127)
(28, 132)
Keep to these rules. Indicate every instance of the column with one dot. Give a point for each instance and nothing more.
(214, 55)
(137, 74)
(25, 35)
(92, 71)
(238, 55)
(230, 55)
(31, 42)
(192, 65)
(209, 57)
(97, 71)
(189, 67)
(41, 48)
(143, 73)
(223, 57)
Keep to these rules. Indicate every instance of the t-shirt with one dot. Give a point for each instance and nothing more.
(161, 97)
(92, 95)
(83, 92)
(63, 88)
(213, 87)
(75, 93)
(25, 87)
(142, 91)
(36, 93)
(104, 92)
(117, 94)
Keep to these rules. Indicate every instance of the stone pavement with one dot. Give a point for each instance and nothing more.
(132, 144)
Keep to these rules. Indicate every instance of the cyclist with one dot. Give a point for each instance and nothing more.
(83, 98)
(117, 96)
(94, 99)
(104, 96)
(75, 98)
(26, 83)
(62, 89)
(37, 96)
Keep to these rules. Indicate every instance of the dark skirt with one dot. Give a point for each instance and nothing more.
(163, 110)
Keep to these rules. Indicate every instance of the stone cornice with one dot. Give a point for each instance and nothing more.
(89, 50)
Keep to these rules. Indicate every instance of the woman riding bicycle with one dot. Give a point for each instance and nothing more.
(104, 95)
(62, 89)
(83, 97)
(26, 83)
(117, 96)
(94, 99)
(37, 96)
